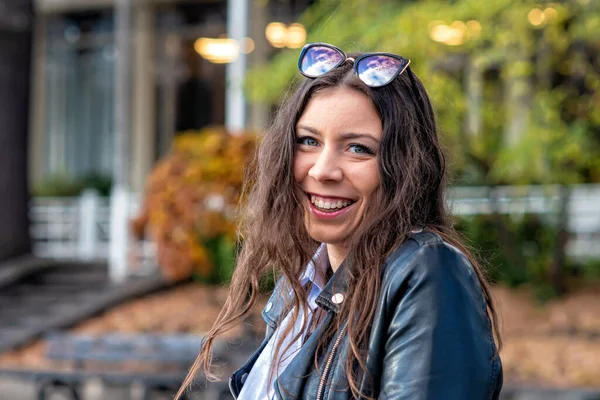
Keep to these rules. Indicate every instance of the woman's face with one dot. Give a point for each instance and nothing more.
(338, 138)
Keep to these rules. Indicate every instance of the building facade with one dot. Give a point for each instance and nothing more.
(172, 88)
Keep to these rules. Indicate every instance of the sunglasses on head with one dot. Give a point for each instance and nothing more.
(374, 69)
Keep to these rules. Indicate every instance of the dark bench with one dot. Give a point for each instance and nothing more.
(154, 362)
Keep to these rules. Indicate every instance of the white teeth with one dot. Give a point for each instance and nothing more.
(329, 204)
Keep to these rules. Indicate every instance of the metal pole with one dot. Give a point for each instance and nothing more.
(235, 103)
(119, 201)
(122, 91)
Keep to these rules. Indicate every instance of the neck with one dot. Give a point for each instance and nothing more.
(336, 255)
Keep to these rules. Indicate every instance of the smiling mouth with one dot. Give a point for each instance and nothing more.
(329, 205)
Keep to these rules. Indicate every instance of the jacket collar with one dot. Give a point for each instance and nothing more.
(335, 291)
(277, 304)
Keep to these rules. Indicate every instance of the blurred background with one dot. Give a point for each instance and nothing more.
(126, 126)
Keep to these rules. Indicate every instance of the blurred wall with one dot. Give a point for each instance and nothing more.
(173, 88)
(15, 47)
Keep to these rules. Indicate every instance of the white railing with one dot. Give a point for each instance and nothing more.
(583, 209)
(79, 227)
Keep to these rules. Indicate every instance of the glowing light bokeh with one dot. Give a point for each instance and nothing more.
(217, 50)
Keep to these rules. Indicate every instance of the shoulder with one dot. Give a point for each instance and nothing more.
(426, 259)
(424, 253)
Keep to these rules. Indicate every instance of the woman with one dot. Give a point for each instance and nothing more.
(377, 298)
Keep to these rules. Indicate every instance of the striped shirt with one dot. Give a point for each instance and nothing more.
(258, 385)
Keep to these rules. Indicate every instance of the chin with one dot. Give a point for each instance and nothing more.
(326, 236)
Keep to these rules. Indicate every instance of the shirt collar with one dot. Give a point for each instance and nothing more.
(316, 270)
(323, 291)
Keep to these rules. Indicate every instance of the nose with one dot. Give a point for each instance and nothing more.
(326, 167)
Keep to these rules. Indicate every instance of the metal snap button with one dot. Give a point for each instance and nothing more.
(244, 378)
(337, 298)
(269, 306)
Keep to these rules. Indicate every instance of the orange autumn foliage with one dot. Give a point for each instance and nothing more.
(191, 196)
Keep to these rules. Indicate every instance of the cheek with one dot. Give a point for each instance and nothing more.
(301, 167)
(367, 180)
(371, 192)
(369, 197)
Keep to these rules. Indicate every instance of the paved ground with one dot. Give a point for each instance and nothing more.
(38, 296)
(17, 389)
(34, 286)
(549, 394)
(24, 390)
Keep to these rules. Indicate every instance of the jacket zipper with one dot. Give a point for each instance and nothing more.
(321, 390)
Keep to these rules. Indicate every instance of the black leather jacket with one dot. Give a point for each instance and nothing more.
(431, 336)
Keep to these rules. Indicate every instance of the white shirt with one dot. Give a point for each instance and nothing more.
(257, 384)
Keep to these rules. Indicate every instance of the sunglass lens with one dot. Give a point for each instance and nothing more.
(319, 60)
(379, 70)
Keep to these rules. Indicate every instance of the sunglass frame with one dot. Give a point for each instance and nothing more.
(356, 62)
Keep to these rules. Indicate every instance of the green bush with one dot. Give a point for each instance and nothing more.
(222, 252)
(589, 270)
(61, 185)
(57, 186)
(520, 249)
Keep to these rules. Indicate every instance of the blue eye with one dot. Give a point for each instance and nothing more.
(307, 140)
(361, 149)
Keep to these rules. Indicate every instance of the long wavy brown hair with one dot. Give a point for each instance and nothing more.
(275, 240)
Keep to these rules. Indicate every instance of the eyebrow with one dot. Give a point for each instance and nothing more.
(345, 136)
